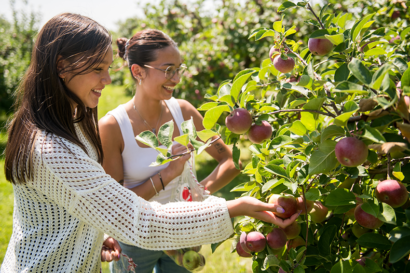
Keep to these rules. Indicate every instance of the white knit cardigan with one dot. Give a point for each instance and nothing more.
(61, 215)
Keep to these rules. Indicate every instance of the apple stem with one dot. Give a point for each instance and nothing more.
(317, 18)
(388, 166)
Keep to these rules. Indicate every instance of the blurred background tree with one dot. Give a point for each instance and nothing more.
(17, 39)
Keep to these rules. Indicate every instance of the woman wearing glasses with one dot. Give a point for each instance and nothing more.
(156, 65)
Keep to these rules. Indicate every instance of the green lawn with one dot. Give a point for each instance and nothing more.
(220, 261)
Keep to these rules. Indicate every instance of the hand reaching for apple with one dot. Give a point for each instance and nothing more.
(252, 207)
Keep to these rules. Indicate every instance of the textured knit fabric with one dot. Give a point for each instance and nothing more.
(61, 215)
(136, 160)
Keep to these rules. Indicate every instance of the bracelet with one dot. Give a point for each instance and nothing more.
(153, 186)
(162, 182)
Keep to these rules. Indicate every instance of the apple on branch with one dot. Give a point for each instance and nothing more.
(392, 192)
(283, 65)
(319, 212)
(351, 152)
(258, 133)
(320, 46)
(365, 219)
(239, 121)
(287, 202)
(276, 238)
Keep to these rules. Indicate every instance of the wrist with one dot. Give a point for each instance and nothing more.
(167, 175)
(234, 208)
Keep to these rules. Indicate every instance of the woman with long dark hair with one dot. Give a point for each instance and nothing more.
(64, 200)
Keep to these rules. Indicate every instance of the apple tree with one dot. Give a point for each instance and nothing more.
(327, 122)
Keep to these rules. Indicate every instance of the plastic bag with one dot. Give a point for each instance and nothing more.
(188, 189)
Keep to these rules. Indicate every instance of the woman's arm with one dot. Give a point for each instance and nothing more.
(225, 171)
(113, 145)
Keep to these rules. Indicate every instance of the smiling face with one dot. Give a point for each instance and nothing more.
(87, 87)
(154, 82)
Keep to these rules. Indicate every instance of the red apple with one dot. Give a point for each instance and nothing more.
(358, 230)
(276, 238)
(301, 205)
(258, 133)
(287, 202)
(284, 66)
(292, 231)
(242, 252)
(294, 243)
(239, 121)
(366, 220)
(320, 47)
(319, 212)
(273, 52)
(351, 152)
(392, 192)
(255, 241)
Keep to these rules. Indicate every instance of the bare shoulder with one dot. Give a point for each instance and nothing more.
(108, 122)
(187, 109)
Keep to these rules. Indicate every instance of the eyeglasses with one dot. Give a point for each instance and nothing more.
(171, 70)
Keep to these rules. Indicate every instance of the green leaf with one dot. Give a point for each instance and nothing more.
(165, 134)
(215, 246)
(275, 169)
(319, 34)
(272, 184)
(163, 151)
(238, 84)
(206, 134)
(399, 250)
(342, 73)
(340, 197)
(235, 156)
(212, 115)
(161, 160)
(360, 71)
(280, 141)
(263, 34)
(335, 39)
(357, 27)
(373, 135)
(374, 240)
(358, 268)
(270, 260)
(324, 159)
(326, 239)
(312, 194)
(207, 106)
(148, 138)
(405, 79)
(388, 215)
(350, 87)
(375, 52)
(341, 267)
(278, 26)
(314, 104)
(298, 128)
(290, 31)
(379, 75)
(188, 127)
(398, 232)
(371, 208)
(183, 140)
(286, 5)
(332, 131)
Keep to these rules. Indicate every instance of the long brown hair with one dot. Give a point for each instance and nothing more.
(43, 101)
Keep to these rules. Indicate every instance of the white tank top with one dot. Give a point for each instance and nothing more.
(136, 160)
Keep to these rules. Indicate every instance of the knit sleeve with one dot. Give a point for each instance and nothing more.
(67, 175)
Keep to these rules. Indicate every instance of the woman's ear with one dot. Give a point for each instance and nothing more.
(61, 67)
(137, 72)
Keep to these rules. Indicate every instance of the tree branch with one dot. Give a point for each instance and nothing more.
(299, 110)
(317, 18)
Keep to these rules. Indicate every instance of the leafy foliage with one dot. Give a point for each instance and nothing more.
(358, 90)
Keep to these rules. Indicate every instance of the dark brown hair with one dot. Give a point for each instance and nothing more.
(142, 47)
(43, 101)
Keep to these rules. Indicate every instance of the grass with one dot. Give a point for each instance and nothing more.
(220, 261)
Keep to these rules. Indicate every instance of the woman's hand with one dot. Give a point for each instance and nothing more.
(176, 166)
(111, 250)
(252, 207)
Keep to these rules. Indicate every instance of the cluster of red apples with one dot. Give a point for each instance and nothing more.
(317, 46)
(239, 121)
(255, 241)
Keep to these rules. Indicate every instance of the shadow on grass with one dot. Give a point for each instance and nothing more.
(208, 166)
